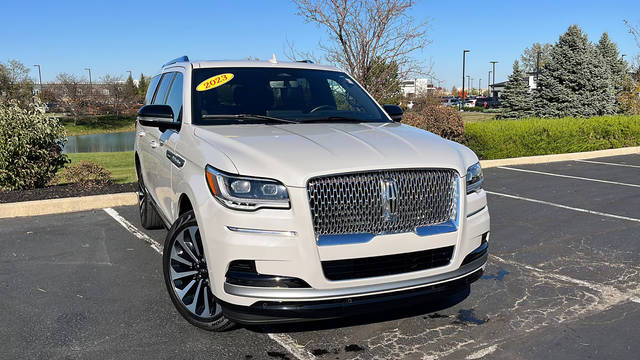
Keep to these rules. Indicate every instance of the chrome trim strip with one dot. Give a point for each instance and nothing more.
(447, 227)
(343, 239)
(477, 211)
(262, 232)
(314, 294)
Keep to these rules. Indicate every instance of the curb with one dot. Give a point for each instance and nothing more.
(540, 159)
(65, 205)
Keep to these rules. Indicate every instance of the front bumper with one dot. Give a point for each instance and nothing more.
(302, 306)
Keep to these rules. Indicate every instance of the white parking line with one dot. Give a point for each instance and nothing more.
(284, 340)
(565, 206)
(608, 163)
(569, 176)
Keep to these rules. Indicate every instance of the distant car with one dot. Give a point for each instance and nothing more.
(449, 101)
(470, 103)
(488, 102)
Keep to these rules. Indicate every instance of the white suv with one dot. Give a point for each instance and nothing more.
(290, 194)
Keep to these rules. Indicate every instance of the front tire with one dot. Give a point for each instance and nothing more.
(186, 276)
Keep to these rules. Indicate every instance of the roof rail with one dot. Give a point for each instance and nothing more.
(305, 61)
(180, 59)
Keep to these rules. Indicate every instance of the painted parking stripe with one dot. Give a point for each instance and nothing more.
(565, 206)
(569, 176)
(284, 340)
(608, 163)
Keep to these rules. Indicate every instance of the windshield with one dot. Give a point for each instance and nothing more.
(296, 95)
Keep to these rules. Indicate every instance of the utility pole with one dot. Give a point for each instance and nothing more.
(39, 75)
(90, 85)
(464, 54)
(480, 86)
(488, 86)
(469, 83)
(494, 71)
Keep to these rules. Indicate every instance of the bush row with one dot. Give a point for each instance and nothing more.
(497, 139)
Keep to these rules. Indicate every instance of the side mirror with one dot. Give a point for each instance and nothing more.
(160, 116)
(394, 112)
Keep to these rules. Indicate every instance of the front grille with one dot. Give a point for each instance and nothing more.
(359, 202)
(386, 265)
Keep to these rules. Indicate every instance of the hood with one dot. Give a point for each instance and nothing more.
(294, 153)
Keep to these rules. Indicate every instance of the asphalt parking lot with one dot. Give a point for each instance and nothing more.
(562, 282)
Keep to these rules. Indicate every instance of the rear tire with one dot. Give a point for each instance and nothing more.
(149, 216)
(187, 278)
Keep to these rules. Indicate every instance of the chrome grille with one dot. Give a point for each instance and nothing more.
(360, 202)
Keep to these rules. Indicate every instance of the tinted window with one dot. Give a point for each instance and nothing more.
(292, 94)
(151, 89)
(163, 89)
(175, 96)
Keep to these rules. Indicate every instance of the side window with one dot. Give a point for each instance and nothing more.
(163, 89)
(151, 89)
(175, 97)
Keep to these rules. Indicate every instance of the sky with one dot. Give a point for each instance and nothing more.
(111, 37)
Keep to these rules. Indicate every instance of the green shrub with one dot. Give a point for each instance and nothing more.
(30, 146)
(87, 174)
(440, 120)
(498, 139)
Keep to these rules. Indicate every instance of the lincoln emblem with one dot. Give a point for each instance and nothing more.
(389, 189)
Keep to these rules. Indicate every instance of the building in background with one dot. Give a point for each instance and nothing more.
(413, 87)
(498, 88)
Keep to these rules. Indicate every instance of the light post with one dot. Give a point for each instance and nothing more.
(488, 86)
(480, 86)
(464, 55)
(494, 72)
(90, 85)
(130, 74)
(39, 75)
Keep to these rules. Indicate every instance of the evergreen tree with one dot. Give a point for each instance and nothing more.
(130, 90)
(530, 57)
(516, 98)
(575, 81)
(143, 85)
(455, 91)
(617, 66)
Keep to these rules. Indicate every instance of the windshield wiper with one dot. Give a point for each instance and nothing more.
(332, 119)
(248, 117)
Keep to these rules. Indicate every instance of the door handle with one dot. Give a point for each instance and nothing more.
(153, 144)
(162, 141)
(142, 134)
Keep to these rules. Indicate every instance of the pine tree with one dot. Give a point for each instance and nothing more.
(130, 90)
(617, 66)
(455, 91)
(516, 98)
(575, 81)
(143, 84)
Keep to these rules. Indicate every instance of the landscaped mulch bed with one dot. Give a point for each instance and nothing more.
(63, 191)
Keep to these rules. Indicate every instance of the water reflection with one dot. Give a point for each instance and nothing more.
(122, 141)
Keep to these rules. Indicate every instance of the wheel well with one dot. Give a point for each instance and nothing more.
(184, 204)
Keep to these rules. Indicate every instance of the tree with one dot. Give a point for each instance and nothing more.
(143, 85)
(575, 81)
(15, 83)
(389, 74)
(116, 90)
(529, 56)
(617, 66)
(74, 97)
(130, 90)
(516, 98)
(362, 32)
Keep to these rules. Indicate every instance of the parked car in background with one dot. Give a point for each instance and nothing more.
(470, 103)
(488, 102)
(449, 101)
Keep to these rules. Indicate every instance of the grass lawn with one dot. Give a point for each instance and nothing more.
(98, 124)
(121, 164)
(473, 116)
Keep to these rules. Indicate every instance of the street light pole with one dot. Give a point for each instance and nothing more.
(494, 71)
(39, 76)
(90, 85)
(464, 54)
(488, 84)
(129, 71)
(480, 86)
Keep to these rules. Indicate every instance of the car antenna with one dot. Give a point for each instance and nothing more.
(273, 59)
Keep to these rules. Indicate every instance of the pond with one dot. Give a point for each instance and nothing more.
(122, 141)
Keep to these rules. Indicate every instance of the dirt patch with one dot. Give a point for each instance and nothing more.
(63, 191)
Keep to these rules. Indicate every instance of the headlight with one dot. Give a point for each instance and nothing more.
(246, 193)
(474, 178)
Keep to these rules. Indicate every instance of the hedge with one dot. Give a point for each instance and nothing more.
(498, 139)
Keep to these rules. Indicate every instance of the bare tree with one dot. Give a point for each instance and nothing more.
(73, 94)
(364, 33)
(115, 92)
